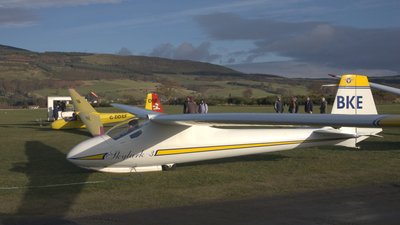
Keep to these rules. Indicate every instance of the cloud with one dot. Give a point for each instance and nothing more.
(49, 3)
(164, 50)
(304, 69)
(185, 51)
(311, 42)
(16, 17)
(124, 52)
(182, 15)
(229, 26)
(341, 46)
(16, 13)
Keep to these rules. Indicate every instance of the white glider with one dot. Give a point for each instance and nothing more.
(159, 141)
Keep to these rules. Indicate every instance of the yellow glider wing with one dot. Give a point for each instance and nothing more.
(87, 113)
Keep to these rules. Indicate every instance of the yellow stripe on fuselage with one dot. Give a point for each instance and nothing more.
(219, 148)
(162, 152)
(93, 157)
(354, 80)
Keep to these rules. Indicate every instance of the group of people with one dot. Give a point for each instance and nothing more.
(294, 105)
(190, 106)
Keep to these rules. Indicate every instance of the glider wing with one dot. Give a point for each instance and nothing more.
(87, 113)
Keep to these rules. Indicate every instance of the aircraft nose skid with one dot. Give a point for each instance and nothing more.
(88, 150)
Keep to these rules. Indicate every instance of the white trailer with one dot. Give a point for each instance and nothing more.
(61, 104)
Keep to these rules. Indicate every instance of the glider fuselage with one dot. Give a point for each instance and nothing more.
(106, 118)
(156, 145)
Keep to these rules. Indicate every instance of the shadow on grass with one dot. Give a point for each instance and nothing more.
(53, 186)
(45, 128)
(380, 145)
(249, 158)
(358, 205)
(81, 132)
(370, 146)
(21, 125)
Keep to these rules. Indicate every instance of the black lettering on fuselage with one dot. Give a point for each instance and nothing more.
(118, 116)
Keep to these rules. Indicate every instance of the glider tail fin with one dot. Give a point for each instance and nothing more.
(354, 96)
(153, 102)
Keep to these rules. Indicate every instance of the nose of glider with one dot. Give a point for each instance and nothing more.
(89, 149)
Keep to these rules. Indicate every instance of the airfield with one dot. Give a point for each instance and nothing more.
(324, 185)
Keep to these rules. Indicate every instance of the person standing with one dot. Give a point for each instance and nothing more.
(293, 106)
(55, 111)
(203, 107)
(308, 106)
(323, 106)
(185, 104)
(191, 106)
(278, 106)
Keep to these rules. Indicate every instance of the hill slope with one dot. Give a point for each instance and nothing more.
(20, 63)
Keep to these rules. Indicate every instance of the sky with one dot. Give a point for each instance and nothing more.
(294, 38)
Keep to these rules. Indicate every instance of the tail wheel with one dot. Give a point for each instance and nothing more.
(168, 167)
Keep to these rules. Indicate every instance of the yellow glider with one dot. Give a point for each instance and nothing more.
(87, 117)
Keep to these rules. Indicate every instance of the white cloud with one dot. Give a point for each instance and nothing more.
(185, 51)
(124, 52)
(171, 17)
(304, 69)
(17, 13)
(49, 3)
(16, 17)
(313, 42)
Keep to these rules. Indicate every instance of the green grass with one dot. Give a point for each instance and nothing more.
(184, 85)
(223, 88)
(31, 154)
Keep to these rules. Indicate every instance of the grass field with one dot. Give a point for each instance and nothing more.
(112, 88)
(36, 180)
(183, 85)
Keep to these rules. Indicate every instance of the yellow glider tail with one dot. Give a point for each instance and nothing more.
(153, 103)
(89, 116)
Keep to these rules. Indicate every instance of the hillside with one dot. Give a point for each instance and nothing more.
(27, 78)
(20, 63)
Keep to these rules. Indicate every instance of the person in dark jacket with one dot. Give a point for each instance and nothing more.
(278, 106)
(191, 106)
(293, 106)
(308, 106)
(185, 104)
(323, 106)
(55, 111)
